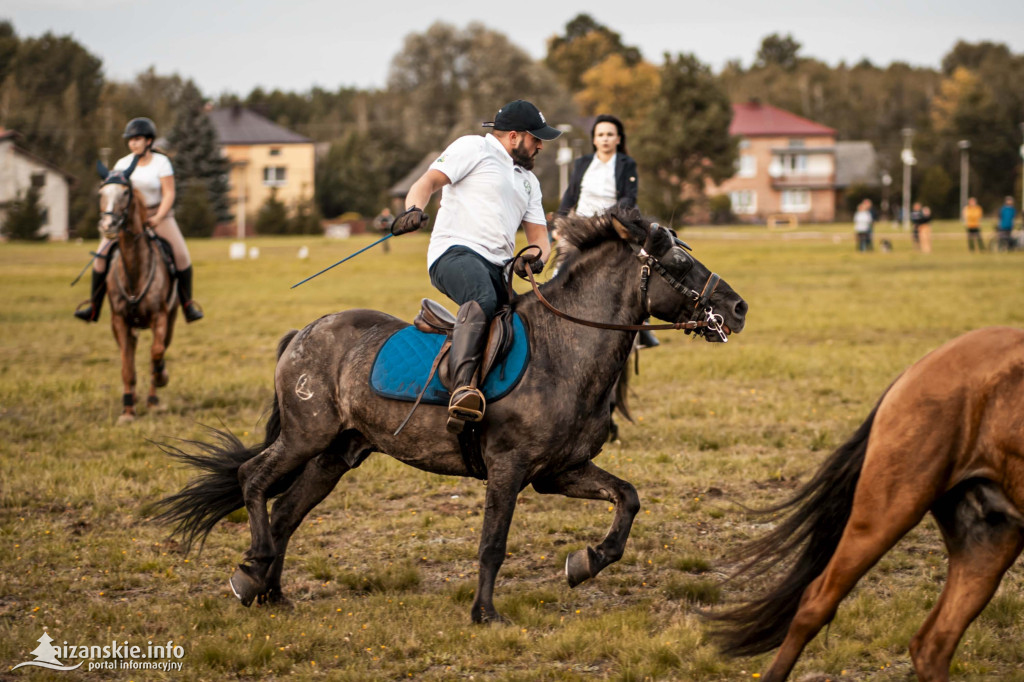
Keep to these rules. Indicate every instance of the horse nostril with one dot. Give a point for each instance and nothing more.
(740, 309)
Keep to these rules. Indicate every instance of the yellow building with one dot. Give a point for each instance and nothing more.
(265, 158)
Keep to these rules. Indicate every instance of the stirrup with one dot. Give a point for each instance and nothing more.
(192, 310)
(86, 314)
(467, 405)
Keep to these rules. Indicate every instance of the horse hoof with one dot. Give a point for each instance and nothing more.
(125, 419)
(277, 599)
(161, 379)
(578, 566)
(244, 587)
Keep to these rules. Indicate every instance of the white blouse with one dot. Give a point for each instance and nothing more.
(597, 189)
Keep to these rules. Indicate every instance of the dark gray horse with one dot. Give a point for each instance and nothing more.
(326, 419)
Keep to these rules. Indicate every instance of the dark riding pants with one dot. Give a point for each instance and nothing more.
(463, 275)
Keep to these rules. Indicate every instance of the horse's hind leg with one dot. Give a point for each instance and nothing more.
(286, 454)
(316, 482)
(882, 513)
(983, 542)
(590, 482)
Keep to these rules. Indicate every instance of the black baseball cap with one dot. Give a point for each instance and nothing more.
(522, 115)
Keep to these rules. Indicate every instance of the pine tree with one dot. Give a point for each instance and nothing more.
(24, 217)
(197, 154)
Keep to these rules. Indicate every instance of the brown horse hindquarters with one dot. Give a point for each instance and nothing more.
(946, 437)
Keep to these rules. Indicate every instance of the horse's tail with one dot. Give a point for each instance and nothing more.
(208, 498)
(820, 510)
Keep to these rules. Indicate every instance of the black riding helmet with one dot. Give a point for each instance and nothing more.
(140, 127)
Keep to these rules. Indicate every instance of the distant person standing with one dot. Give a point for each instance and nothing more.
(1007, 214)
(924, 230)
(382, 223)
(972, 221)
(915, 220)
(863, 221)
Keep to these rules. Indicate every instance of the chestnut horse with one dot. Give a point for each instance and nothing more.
(327, 420)
(946, 437)
(139, 284)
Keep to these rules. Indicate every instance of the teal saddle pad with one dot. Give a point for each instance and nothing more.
(404, 361)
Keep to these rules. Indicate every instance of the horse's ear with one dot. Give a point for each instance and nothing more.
(621, 229)
(659, 241)
(131, 168)
(102, 170)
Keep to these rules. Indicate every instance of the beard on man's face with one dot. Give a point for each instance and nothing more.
(521, 157)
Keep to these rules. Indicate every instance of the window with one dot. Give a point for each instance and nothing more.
(796, 201)
(39, 180)
(274, 176)
(275, 151)
(744, 201)
(796, 143)
(746, 166)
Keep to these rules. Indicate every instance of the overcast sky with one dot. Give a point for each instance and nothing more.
(228, 46)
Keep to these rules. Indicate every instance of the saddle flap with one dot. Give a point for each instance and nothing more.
(434, 318)
(499, 341)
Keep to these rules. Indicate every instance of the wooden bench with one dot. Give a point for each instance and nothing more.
(789, 219)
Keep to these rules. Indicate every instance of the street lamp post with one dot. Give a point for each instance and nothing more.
(907, 156)
(564, 159)
(886, 184)
(965, 172)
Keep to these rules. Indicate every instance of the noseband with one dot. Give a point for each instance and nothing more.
(118, 220)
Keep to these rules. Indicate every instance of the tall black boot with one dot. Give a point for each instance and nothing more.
(193, 311)
(468, 340)
(89, 311)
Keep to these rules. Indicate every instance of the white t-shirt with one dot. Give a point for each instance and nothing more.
(146, 178)
(597, 189)
(862, 221)
(488, 199)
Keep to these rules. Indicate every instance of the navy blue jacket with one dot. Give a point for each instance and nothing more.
(626, 182)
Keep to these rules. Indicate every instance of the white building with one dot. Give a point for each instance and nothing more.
(20, 170)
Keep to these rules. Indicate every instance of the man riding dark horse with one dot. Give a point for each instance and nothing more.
(489, 190)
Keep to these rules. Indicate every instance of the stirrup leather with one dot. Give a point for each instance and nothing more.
(467, 404)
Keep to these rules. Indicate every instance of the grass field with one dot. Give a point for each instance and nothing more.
(382, 573)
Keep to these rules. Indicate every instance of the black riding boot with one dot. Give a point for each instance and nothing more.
(468, 340)
(191, 308)
(95, 302)
(647, 339)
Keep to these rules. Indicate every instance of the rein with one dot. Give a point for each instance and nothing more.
(712, 321)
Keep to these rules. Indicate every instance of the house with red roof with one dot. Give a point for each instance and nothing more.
(786, 166)
(21, 170)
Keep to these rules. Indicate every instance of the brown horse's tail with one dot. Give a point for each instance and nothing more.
(812, 531)
(208, 498)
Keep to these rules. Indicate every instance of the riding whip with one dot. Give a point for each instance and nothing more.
(385, 237)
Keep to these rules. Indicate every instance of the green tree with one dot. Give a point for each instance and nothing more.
(197, 155)
(778, 50)
(936, 192)
(193, 211)
(272, 217)
(685, 140)
(586, 44)
(24, 217)
(306, 218)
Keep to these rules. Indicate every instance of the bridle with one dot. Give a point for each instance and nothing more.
(118, 220)
(701, 318)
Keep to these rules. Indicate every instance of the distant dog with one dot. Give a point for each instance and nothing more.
(886, 246)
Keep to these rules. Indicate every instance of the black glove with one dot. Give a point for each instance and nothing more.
(531, 257)
(409, 220)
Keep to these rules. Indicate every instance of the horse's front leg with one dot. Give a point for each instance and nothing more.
(159, 376)
(126, 342)
(591, 482)
(503, 486)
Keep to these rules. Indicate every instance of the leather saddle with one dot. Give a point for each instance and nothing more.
(434, 318)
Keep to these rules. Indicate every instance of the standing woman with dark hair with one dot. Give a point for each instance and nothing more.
(605, 178)
(153, 177)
